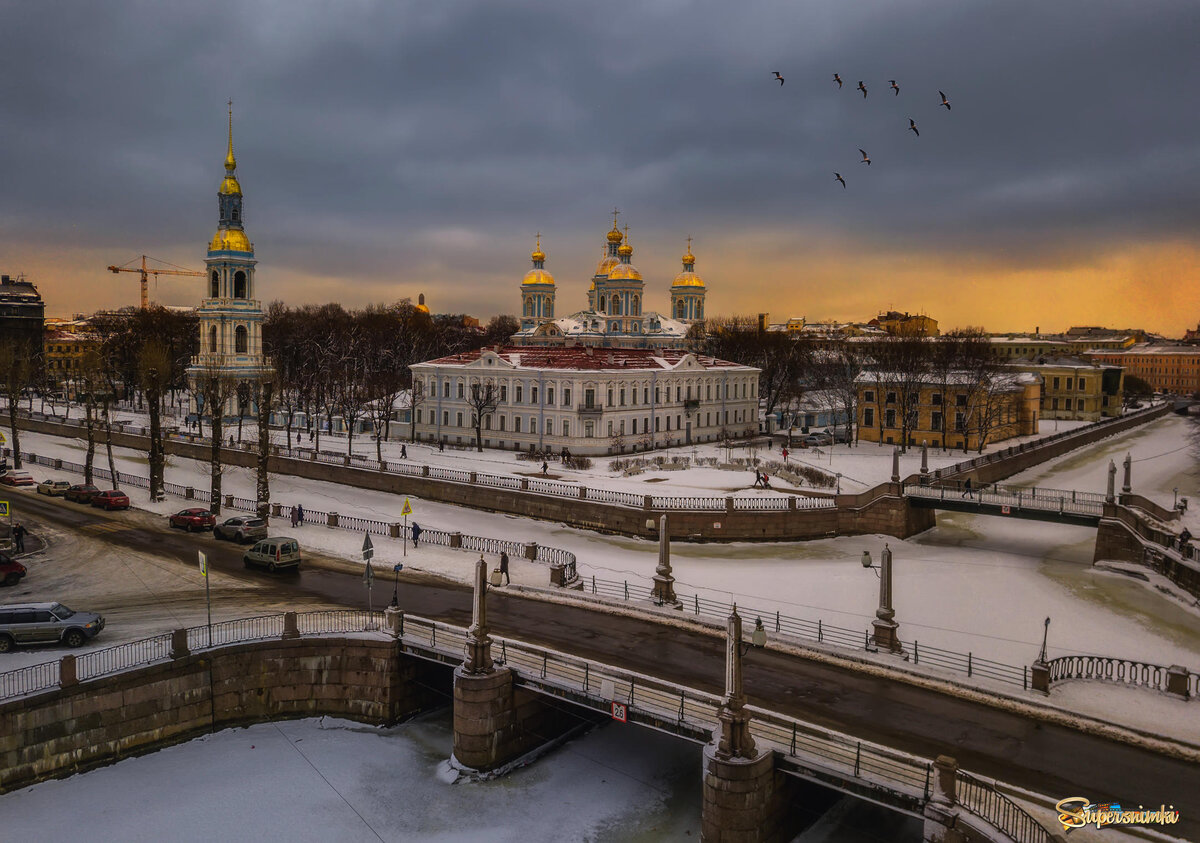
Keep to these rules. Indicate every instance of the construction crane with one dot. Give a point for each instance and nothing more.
(146, 271)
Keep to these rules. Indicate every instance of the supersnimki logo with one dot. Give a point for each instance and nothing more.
(1079, 811)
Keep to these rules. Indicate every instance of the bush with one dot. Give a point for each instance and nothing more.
(577, 463)
(809, 474)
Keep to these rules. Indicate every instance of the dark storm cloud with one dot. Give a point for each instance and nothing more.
(361, 127)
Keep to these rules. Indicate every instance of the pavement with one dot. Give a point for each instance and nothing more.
(1048, 758)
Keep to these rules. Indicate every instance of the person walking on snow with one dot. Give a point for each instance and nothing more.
(18, 534)
(300, 514)
(416, 533)
(785, 454)
(294, 518)
(967, 489)
(757, 478)
(504, 566)
(545, 468)
(403, 452)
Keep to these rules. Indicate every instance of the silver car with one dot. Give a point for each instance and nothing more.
(242, 529)
(46, 623)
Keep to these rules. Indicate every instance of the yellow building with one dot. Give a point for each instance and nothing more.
(906, 324)
(1020, 347)
(1167, 368)
(957, 414)
(64, 352)
(1077, 389)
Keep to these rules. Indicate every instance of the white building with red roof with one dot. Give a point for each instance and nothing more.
(589, 400)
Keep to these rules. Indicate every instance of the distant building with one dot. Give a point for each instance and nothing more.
(64, 354)
(22, 313)
(1167, 368)
(1077, 388)
(948, 414)
(1019, 347)
(586, 399)
(905, 324)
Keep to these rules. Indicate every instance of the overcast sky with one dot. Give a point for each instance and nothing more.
(392, 148)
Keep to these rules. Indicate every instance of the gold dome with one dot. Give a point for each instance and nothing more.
(606, 264)
(615, 236)
(421, 306)
(624, 272)
(625, 249)
(230, 186)
(230, 240)
(537, 254)
(538, 276)
(689, 258)
(687, 279)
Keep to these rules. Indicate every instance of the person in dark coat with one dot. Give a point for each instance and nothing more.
(967, 489)
(504, 566)
(416, 533)
(295, 517)
(403, 452)
(758, 478)
(1184, 537)
(545, 468)
(300, 514)
(441, 445)
(18, 534)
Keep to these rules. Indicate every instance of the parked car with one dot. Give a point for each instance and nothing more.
(112, 499)
(46, 623)
(242, 529)
(54, 488)
(11, 570)
(16, 477)
(815, 440)
(81, 493)
(274, 553)
(193, 519)
(840, 436)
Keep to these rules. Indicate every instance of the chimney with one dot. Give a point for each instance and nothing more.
(763, 321)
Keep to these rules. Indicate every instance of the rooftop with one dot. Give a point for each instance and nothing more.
(588, 358)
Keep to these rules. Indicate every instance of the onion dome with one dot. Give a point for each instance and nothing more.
(538, 275)
(606, 264)
(230, 240)
(615, 236)
(688, 278)
(624, 272)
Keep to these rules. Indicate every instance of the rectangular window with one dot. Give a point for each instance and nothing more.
(708, 392)
(610, 427)
(533, 393)
(566, 428)
(726, 417)
(1056, 383)
(533, 424)
(566, 397)
(621, 396)
(589, 429)
(708, 420)
(1069, 383)
(516, 424)
(622, 427)
(1079, 404)
(679, 422)
(519, 391)
(657, 424)
(445, 418)
(936, 399)
(657, 395)
(504, 392)
(610, 401)
(589, 399)
(446, 389)
(1053, 403)
(458, 419)
(869, 396)
(678, 393)
(460, 389)
(960, 400)
(890, 398)
(960, 422)
(502, 422)
(935, 420)
(1082, 384)
(869, 417)
(550, 396)
(890, 418)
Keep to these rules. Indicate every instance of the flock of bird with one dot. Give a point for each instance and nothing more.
(912, 124)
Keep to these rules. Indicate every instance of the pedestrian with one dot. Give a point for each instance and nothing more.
(295, 520)
(1184, 537)
(504, 566)
(785, 454)
(441, 445)
(545, 468)
(18, 534)
(967, 489)
(403, 452)
(758, 478)
(416, 533)
(766, 481)
(300, 515)
(231, 440)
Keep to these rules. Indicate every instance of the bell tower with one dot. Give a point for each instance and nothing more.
(537, 291)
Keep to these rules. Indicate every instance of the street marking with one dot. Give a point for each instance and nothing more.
(104, 527)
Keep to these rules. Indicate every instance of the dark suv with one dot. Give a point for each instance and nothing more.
(11, 570)
(46, 623)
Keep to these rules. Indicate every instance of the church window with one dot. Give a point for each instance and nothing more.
(614, 327)
(679, 311)
(239, 285)
(601, 308)
(616, 306)
(215, 287)
(636, 306)
(240, 340)
(236, 213)
(212, 339)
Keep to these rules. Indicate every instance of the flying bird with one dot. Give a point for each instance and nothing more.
(862, 88)
(895, 87)
(945, 101)
(865, 160)
(838, 176)
(837, 79)
(777, 76)
(912, 127)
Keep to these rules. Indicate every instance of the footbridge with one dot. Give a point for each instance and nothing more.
(1063, 506)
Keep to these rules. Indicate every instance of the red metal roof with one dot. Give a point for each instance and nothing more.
(586, 358)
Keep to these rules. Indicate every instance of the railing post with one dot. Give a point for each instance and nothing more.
(229, 500)
(290, 628)
(456, 540)
(1177, 681)
(583, 493)
(1039, 677)
(728, 505)
(945, 780)
(66, 671)
(332, 520)
(179, 644)
(530, 550)
(647, 502)
(524, 484)
(394, 530)
(189, 494)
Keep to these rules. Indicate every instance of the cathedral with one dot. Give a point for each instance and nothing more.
(615, 317)
(230, 316)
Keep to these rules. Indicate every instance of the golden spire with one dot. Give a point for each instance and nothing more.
(229, 185)
(230, 161)
(614, 236)
(626, 250)
(538, 254)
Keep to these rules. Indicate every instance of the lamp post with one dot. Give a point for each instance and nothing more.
(1175, 503)
(838, 476)
(735, 740)
(396, 569)
(885, 626)
(1045, 634)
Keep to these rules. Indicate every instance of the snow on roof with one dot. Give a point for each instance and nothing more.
(1146, 348)
(1013, 380)
(588, 358)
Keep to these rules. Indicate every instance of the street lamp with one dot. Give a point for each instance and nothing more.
(758, 639)
(839, 482)
(1045, 633)
(1175, 505)
(399, 566)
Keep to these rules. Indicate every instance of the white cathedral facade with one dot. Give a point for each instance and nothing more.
(615, 316)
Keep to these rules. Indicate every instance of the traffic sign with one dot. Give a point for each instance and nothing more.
(368, 550)
(203, 563)
(1005, 510)
(368, 576)
(3, 440)
(619, 711)
(407, 508)
(398, 567)
(4, 508)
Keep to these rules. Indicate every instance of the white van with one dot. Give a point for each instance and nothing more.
(276, 553)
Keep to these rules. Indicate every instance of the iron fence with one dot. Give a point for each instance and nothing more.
(498, 481)
(983, 800)
(614, 496)
(483, 544)
(772, 504)
(233, 631)
(364, 525)
(550, 487)
(28, 680)
(122, 657)
(677, 502)
(1120, 671)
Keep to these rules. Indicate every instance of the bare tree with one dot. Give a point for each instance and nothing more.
(901, 366)
(17, 371)
(483, 400)
(266, 394)
(215, 389)
(154, 375)
(416, 398)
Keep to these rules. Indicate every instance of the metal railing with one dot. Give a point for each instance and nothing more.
(983, 800)
(28, 680)
(1041, 500)
(1120, 671)
(691, 504)
(96, 663)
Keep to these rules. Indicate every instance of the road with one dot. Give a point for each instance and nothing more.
(1050, 759)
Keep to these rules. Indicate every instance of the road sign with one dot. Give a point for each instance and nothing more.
(398, 567)
(3, 508)
(3, 440)
(368, 550)
(203, 563)
(1006, 510)
(368, 576)
(619, 711)
(407, 508)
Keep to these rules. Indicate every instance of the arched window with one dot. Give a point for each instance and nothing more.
(215, 287)
(616, 305)
(636, 306)
(240, 340)
(239, 285)
(528, 307)
(679, 309)
(601, 308)
(236, 213)
(212, 339)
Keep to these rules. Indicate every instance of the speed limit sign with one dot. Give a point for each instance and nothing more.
(619, 711)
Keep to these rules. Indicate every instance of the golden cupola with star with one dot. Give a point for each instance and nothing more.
(537, 291)
(688, 291)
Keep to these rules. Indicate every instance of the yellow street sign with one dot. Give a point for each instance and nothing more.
(203, 563)
(3, 509)
(407, 508)
(3, 440)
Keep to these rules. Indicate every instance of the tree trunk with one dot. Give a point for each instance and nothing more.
(216, 422)
(156, 446)
(379, 445)
(112, 463)
(479, 437)
(264, 452)
(16, 434)
(90, 460)
(349, 438)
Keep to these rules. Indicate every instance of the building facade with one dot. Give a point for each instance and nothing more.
(65, 353)
(906, 324)
(586, 399)
(22, 314)
(1167, 368)
(230, 316)
(1077, 389)
(616, 316)
(954, 414)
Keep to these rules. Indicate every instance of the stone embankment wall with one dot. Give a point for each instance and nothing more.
(79, 726)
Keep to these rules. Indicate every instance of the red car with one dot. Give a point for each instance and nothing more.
(193, 519)
(17, 478)
(112, 499)
(81, 493)
(11, 570)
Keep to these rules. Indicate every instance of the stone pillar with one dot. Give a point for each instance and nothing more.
(885, 636)
(189, 494)
(1039, 677)
(744, 800)
(1126, 486)
(394, 530)
(924, 462)
(393, 621)
(583, 493)
(1111, 495)
(290, 627)
(530, 551)
(896, 464)
(456, 540)
(479, 642)
(734, 739)
(68, 677)
(941, 812)
(229, 500)
(179, 644)
(664, 583)
(1177, 681)
(277, 510)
